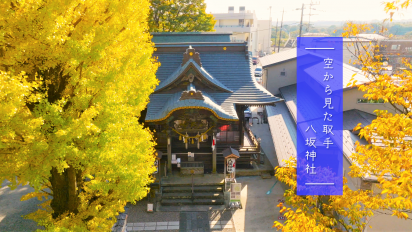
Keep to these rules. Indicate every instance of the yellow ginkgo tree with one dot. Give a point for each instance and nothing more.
(74, 77)
(387, 156)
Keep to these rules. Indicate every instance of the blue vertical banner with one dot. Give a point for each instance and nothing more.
(319, 116)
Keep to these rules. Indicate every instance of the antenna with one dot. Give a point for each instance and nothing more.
(310, 12)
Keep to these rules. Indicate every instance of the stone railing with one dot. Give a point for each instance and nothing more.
(121, 223)
(186, 168)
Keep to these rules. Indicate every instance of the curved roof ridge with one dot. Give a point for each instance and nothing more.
(174, 104)
(175, 75)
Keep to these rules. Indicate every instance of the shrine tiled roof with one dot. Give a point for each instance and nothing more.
(171, 103)
(181, 37)
(229, 69)
(179, 71)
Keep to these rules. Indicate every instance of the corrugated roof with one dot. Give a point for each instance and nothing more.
(231, 69)
(351, 118)
(278, 57)
(283, 131)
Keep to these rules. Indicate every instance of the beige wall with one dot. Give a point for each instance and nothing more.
(229, 22)
(350, 101)
(349, 50)
(272, 79)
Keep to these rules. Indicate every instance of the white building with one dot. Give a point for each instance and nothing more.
(245, 27)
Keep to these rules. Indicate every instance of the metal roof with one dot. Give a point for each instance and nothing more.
(351, 118)
(283, 130)
(278, 57)
(372, 36)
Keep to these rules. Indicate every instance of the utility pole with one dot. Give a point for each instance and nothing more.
(280, 32)
(301, 21)
(270, 31)
(276, 35)
(310, 13)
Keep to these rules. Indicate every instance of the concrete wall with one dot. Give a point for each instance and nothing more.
(350, 101)
(264, 34)
(353, 183)
(272, 79)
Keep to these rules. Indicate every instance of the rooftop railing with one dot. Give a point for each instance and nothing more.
(242, 26)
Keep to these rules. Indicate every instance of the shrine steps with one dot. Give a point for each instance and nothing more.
(203, 194)
(176, 202)
(188, 189)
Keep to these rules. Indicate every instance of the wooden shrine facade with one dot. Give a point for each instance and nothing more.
(203, 91)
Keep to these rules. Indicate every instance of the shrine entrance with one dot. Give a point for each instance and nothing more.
(191, 138)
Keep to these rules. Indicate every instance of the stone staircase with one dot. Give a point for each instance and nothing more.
(181, 194)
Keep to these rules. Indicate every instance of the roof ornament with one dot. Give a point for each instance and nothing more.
(191, 93)
(191, 77)
(191, 54)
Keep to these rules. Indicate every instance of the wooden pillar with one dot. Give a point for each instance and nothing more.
(224, 166)
(241, 124)
(214, 155)
(259, 150)
(169, 152)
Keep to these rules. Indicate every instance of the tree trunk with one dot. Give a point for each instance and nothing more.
(65, 193)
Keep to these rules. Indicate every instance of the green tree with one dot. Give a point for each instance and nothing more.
(74, 77)
(180, 16)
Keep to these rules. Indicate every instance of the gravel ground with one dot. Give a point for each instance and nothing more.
(12, 209)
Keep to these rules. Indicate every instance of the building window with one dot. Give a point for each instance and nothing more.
(396, 47)
(363, 100)
(283, 73)
(241, 22)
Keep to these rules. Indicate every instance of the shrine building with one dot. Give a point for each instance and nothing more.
(206, 84)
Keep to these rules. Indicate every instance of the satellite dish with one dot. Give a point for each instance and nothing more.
(385, 63)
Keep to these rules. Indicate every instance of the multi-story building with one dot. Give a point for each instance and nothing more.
(396, 52)
(245, 27)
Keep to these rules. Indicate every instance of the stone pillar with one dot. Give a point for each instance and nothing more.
(214, 155)
(169, 152)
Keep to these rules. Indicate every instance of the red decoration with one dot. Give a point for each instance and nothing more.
(224, 127)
